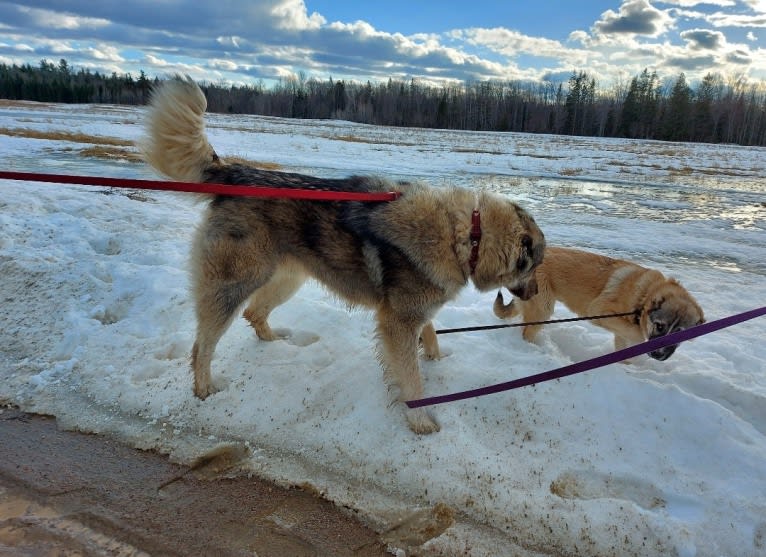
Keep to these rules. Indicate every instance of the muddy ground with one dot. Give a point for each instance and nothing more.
(68, 494)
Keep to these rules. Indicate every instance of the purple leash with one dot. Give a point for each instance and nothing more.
(599, 361)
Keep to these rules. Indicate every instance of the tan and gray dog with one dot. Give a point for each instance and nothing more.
(592, 284)
(404, 259)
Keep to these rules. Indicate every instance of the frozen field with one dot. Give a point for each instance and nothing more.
(653, 458)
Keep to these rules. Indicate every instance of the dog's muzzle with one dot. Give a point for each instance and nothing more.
(526, 290)
(664, 353)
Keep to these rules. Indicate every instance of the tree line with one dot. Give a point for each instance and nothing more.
(61, 84)
(719, 109)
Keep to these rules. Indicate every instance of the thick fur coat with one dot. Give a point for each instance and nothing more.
(403, 259)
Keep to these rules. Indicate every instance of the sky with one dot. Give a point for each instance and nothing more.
(436, 42)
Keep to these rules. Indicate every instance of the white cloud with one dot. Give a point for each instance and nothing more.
(196, 71)
(759, 59)
(292, 15)
(58, 20)
(739, 57)
(157, 62)
(61, 49)
(636, 17)
(692, 3)
(360, 29)
(737, 20)
(232, 40)
(512, 43)
(105, 52)
(704, 39)
(757, 5)
(226, 65)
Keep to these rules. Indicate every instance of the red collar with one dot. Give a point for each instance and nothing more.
(475, 237)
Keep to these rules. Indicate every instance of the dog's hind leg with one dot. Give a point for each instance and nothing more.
(229, 262)
(285, 281)
(398, 352)
(430, 342)
(217, 303)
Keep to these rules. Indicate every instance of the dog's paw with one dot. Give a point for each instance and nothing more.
(204, 391)
(440, 354)
(268, 334)
(420, 422)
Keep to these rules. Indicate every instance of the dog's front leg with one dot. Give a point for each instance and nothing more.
(398, 353)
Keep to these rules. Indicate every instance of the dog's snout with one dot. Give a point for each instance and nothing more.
(526, 290)
(663, 354)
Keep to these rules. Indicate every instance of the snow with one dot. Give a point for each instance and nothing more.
(651, 458)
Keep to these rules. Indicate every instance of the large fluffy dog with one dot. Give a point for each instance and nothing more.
(591, 284)
(403, 258)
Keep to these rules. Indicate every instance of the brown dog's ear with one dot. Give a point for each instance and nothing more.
(525, 253)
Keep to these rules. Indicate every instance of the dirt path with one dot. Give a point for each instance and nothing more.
(67, 494)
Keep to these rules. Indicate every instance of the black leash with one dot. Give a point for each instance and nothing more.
(507, 325)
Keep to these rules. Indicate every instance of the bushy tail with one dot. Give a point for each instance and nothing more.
(504, 311)
(176, 144)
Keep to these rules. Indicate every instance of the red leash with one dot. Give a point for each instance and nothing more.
(194, 187)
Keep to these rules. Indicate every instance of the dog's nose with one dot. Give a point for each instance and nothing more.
(663, 353)
(526, 291)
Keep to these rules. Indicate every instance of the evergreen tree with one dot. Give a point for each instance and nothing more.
(631, 111)
(639, 113)
(573, 103)
(676, 125)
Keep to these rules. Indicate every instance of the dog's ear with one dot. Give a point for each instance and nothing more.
(530, 253)
(525, 253)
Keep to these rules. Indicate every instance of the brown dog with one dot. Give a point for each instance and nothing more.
(591, 284)
(403, 258)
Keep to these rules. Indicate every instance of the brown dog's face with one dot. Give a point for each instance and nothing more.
(669, 310)
(513, 247)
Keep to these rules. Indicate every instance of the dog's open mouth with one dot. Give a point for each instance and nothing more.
(663, 354)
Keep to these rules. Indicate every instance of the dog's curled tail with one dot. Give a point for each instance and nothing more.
(504, 311)
(176, 144)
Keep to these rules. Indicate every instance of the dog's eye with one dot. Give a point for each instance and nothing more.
(526, 242)
(660, 328)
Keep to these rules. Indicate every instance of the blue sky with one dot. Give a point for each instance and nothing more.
(245, 41)
(433, 16)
